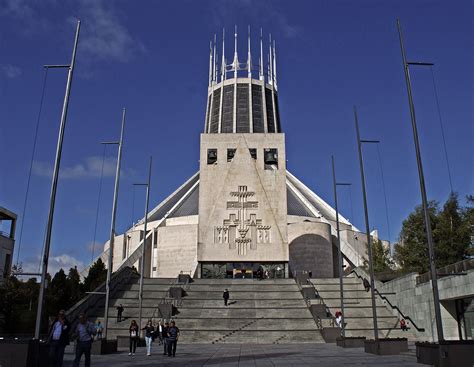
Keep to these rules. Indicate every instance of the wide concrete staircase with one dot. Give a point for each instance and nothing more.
(358, 308)
(260, 311)
(265, 312)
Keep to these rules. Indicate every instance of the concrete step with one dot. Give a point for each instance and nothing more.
(147, 287)
(209, 313)
(254, 287)
(244, 303)
(335, 287)
(226, 282)
(244, 295)
(383, 333)
(246, 323)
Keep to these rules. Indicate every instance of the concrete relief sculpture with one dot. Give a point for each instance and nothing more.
(242, 230)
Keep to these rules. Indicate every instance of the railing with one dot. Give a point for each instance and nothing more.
(94, 300)
(167, 299)
(394, 307)
(453, 269)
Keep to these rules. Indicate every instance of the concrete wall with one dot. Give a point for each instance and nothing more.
(268, 240)
(176, 250)
(416, 301)
(310, 248)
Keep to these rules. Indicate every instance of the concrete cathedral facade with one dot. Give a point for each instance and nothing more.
(242, 211)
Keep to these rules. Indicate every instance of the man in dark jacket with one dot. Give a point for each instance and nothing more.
(226, 296)
(58, 338)
(173, 335)
(119, 312)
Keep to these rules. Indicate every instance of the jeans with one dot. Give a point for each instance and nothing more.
(56, 353)
(83, 348)
(172, 346)
(148, 341)
(133, 344)
(165, 345)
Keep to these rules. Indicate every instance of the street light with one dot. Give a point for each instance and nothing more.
(339, 253)
(367, 228)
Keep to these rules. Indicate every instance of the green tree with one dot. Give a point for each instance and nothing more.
(74, 286)
(96, 276)
(452, 233)
(451, 229)
(411, 252)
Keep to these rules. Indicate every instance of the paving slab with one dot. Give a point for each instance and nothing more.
(325, 355)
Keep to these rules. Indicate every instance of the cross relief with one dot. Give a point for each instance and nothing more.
(242, 230)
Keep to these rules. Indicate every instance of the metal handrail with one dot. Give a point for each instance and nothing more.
(421, 330)
(452, 269)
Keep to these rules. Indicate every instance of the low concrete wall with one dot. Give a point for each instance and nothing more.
(416, 301)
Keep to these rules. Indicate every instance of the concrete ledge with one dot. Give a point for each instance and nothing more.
(351, 342)
(184, 278)
(309, 293)
(318, 311)
(23, 353)
(457, 353)
(330, 334)
(104, 346)
(176, 292)
(386, 346)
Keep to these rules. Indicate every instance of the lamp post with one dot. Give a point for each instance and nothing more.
(142, 261)
(424, 200)
(112, 224)
(339, 253)
(54, 184)
(367, 228)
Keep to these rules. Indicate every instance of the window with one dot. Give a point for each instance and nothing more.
(253, 153)
(211, 156)
(270, 156)
(154, 268)
(230, 154)
(155, 239)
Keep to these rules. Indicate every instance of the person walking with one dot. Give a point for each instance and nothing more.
(403, 325)
(160, 333)
(134, 336)
(339, 319)
(366, 285)
(173, 336)
(85, 331)
(149, 333)
(58, 338)
(99, 329)
(226, 296)
(164, 334)
(119, 312)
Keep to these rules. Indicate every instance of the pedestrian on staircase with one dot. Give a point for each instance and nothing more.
(173, 336)
(226, 296)
(366, 285)
(149, 331)
(119, 312)
(134, 337)
(164, 335)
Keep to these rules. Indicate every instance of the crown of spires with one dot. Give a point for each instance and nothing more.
(269, 69)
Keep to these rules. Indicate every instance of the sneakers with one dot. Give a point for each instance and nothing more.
(129, 354)
(149, 354)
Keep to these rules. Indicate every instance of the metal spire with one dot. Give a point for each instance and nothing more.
(249, 58)
(223, 68)
(236, 58)
(262, 77)
(270, 62)
(211, 70)
(214, 60)
(274, 66)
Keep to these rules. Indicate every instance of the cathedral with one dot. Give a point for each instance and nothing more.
(243, 212)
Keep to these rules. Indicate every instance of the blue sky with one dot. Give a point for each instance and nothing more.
(152, 58)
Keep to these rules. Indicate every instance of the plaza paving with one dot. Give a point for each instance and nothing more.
(288, 355)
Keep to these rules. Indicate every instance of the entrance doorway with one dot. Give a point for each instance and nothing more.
(242, 273)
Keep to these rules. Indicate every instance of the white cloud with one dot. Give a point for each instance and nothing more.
(105, 36)
(90, 168)
(64, 261)
(10, 71)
